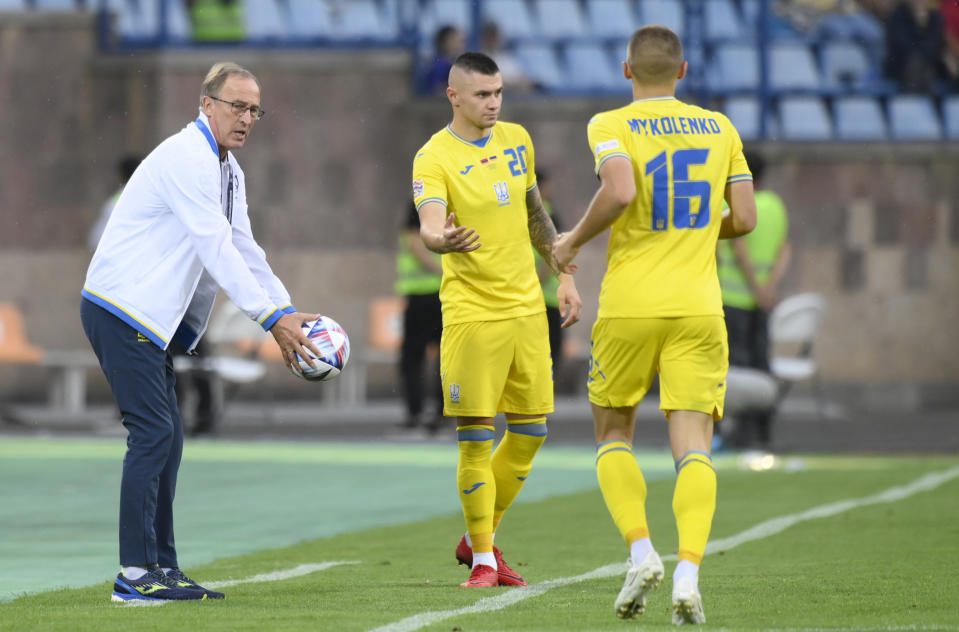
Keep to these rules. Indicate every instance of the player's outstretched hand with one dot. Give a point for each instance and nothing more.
(289, 335)
(564, 253)
(459, 238)
(569, 301)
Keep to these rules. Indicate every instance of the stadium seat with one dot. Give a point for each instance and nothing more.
(609, 19)
(265, 20)
(666, 12)
(735, 68)
(913, 117)
(57, 5)
(859, 118)
(744, 112)
(804, 118)
(360, 19)
(13, 5)
(14, 346)
(589, 66)
(143, 20)
(950, 115)
(308, 19)
(178, 22)
(844, 65)
(560, 19)
(512, 16)
(792, 67)
(794, 324)
(540, 63)
(721, 21)
(441, 12)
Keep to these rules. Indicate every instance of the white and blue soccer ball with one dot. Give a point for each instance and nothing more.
(334, 346)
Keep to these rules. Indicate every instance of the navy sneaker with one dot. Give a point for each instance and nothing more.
(185, 582)
(153, 586)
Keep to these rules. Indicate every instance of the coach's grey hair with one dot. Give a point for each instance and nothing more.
(218, 74)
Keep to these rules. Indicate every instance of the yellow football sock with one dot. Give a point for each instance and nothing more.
(476, 484)
(623, 487)
(694, 503)
(513, 460)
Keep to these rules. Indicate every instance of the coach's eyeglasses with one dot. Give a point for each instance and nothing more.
(239, 108)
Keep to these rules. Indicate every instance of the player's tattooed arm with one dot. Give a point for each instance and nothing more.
(542, 232)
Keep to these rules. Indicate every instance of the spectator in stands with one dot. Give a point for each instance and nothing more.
(833, 19)
(419, 275)
(751, 269)
(548, 280)
(448, 44)
(950, 17)
(916, 47)
(125, 168)
(514, 77)
(217, 20)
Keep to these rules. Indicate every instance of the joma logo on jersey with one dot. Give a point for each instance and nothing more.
(455, 393)
(502, 191)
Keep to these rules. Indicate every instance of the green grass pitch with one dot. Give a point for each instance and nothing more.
(385, 519)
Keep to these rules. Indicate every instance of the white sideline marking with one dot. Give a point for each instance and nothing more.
(758, 532)
(296, 571)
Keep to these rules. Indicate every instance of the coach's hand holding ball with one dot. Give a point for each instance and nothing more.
(327, 351)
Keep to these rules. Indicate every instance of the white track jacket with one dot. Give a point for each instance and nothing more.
(180, 231)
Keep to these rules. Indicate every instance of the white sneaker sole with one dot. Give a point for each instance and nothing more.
(688, 607)
(640, 580)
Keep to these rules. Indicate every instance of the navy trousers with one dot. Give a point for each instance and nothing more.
(142, 380)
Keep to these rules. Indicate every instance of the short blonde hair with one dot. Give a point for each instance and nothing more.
(219, 73)
(655, 54)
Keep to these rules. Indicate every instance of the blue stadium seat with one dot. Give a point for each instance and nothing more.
(57, 5)
(512, 16)
(540, 63)
(750, 9)
(265, 20)
(913, 117)
(950, 115)
(804, 118)
(308, 19)
(589, 66)
(442, 12)
(845, 65)
(611, 18)
(721, 21)
(13, 5)
(735, 68)
(360, 19)
(744, 113)
(130, 21)
(666, 12)
(859, 118)
(792, 67)
(560, 19)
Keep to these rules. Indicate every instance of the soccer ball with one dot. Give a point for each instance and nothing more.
(334, 345)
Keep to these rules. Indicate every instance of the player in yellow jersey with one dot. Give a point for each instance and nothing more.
(474, 186)
(664, 168)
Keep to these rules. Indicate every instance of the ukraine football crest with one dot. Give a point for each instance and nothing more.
(502, 192)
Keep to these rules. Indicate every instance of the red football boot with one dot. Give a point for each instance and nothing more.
(482, 576)
(507, 576)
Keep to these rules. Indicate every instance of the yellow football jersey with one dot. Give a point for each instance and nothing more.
(661, 259)
(485, 184)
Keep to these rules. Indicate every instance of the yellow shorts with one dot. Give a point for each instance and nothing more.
(690, 354)
(497, 366)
